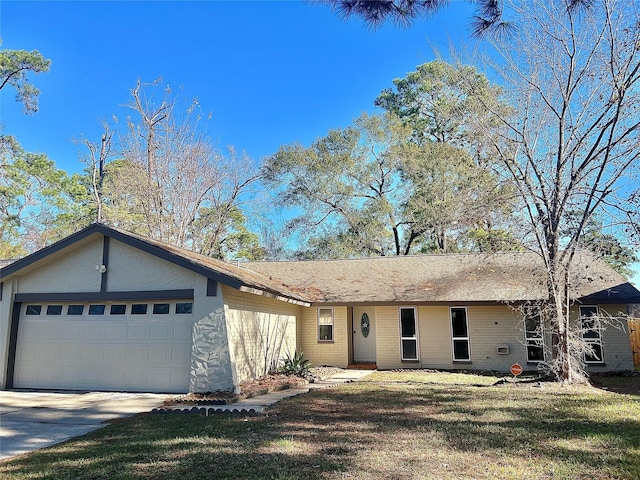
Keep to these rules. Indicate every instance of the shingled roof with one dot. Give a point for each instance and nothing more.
(453, 278)
(458, 278)
(228, 273)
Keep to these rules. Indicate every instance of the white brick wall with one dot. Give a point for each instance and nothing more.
(261, 331)
(489, 326)
(334, 353)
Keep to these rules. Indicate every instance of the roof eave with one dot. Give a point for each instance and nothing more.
(147, 247)
(277, 296)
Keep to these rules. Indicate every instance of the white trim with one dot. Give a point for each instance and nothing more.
(333, 325)
(402, 339)
(264, 293)
(467, 338)
(597, 341)
(533, 340)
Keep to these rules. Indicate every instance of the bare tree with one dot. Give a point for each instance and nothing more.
(96, 158)
(171, 174)
(573, 139)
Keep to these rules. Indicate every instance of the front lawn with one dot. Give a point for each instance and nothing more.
(393, 425)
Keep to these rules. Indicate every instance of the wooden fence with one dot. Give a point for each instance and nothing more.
(634, 334)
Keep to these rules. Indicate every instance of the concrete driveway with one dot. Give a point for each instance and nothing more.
(30, 420)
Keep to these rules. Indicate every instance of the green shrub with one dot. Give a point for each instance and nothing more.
(296, 365)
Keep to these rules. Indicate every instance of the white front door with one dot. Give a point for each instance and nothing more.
(364, 334)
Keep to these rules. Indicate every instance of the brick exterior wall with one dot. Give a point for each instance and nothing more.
(261, 331)
(334, 353)
(488, 325)
(251, 316)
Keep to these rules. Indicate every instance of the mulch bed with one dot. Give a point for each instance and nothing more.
(269, 383)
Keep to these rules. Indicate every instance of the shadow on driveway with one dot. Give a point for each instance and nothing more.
(30, 420)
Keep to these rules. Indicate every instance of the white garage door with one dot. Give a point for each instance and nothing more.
(135, 346)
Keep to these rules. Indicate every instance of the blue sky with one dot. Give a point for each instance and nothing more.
(271, 72)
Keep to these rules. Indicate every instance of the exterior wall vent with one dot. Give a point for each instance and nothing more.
(503, 349)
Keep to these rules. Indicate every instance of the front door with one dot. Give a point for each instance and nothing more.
(364, 334)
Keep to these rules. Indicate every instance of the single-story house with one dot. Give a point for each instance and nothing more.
(106, 309)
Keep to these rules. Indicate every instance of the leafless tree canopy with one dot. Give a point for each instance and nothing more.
(571, 144)
(170, 175)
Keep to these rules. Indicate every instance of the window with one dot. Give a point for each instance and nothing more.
(591, 334)
(75, 309)
(54, 309)
(186, 307)
(325, 324)
(138, 309)
(96, 309)
(534, 337)
(460, 334)
(408, 334)
(33, 310)
(118, 309)
(160, 308)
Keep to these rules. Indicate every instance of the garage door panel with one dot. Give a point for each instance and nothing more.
(92, 355)
(49, 331)
(94, 332)
(135, 355)
(25, 376)
(72, 331)
(49, 353)
(104, 352)
(181, 354)
(86, 378)
(160, 354)
(30, 331)
(137, 332)
(180, 333)
(134, 378)
(116, 332)
(158, 376)
(160, 332)
(71, 354)
(111, 378)
(68, 377)
(114, 355)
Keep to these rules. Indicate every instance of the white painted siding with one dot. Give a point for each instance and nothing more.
(71, 272)
(133, 269)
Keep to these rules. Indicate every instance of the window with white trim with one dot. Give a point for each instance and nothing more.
(534, 336)
(33, 310)
(591, 334)
(54, 309)
(325, 324)
(408, 334)
(460, 335)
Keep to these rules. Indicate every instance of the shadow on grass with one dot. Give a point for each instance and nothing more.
(628, 384)
(368, 430)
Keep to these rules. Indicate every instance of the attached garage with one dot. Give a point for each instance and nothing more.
(141, 345)
(109, 310)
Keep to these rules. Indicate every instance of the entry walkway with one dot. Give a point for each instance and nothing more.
(259, 403)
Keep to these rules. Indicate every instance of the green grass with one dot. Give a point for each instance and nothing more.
(392, 425)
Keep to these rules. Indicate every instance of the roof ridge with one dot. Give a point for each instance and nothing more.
(389, 257)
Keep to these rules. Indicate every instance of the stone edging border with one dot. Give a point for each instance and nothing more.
(206, 411)
(211, 410)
